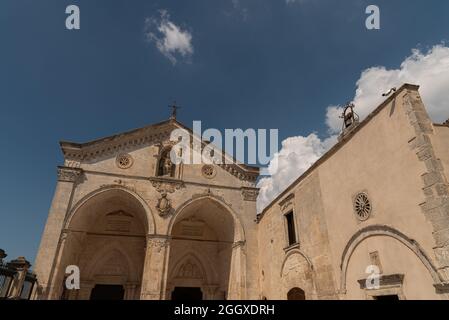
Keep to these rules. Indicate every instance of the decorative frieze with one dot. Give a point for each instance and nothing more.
(236, 171)
(157, 243)
(164, 185)
(69, 174)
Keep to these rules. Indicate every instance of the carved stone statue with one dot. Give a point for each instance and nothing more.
(167, 169)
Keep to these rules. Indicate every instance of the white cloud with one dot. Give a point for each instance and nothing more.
(297, 154)
(430, 70)
(243, 12)
(169, 38)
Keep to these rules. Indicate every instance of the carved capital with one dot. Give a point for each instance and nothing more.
(67, 174)
(250, 194)
(157, 243)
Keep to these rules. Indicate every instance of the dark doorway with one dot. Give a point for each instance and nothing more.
(392, 297)
(296, 294)
(107, 292)
(187, 294)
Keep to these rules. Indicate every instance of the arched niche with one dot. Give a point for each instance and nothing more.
(297, 272)
(392, 233)
(165, 167)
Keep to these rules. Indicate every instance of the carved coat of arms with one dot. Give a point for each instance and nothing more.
(164, 205)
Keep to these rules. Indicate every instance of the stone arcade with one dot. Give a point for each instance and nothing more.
(140, 227)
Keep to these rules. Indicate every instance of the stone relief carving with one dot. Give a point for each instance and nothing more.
(166, 186)
(164, 205)
(69, 174)
(121, 183)
(157, 243)
(72, 163)
(189, 270)
(124, 161)
(208, 171)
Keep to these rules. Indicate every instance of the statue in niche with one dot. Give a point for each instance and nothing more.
(166, 167)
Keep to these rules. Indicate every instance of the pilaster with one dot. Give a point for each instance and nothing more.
(48, 249)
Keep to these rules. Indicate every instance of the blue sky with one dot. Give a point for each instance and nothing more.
(254, 64)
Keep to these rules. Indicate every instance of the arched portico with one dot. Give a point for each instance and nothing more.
(213, 236)
(104, 236)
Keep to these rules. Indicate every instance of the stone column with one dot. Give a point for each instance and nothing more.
(237, 274)
(130, 290)
(21, 265)
(49, 246)
(54, 291)
(153, 272)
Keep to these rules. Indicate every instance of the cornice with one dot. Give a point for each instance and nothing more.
(405, 87)
(76, 153)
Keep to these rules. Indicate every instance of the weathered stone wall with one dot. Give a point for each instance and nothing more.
(390, 158)
(311, 255)
(93, 192)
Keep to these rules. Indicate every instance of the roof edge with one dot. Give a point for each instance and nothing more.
(67, 145)
(337, 146)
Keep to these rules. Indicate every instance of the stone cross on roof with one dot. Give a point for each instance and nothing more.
(174, 110)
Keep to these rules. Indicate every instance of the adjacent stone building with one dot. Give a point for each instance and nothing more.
(140, 227)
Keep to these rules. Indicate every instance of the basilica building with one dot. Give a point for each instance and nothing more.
(140, 227)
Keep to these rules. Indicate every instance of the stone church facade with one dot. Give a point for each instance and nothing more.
(140, 227)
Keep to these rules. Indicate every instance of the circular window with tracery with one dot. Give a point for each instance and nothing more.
(208, 171)
(124, 161)
(362, 206)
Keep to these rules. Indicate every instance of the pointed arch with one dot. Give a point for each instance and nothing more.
(191, 256)
(298, 252)
(104, 254)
